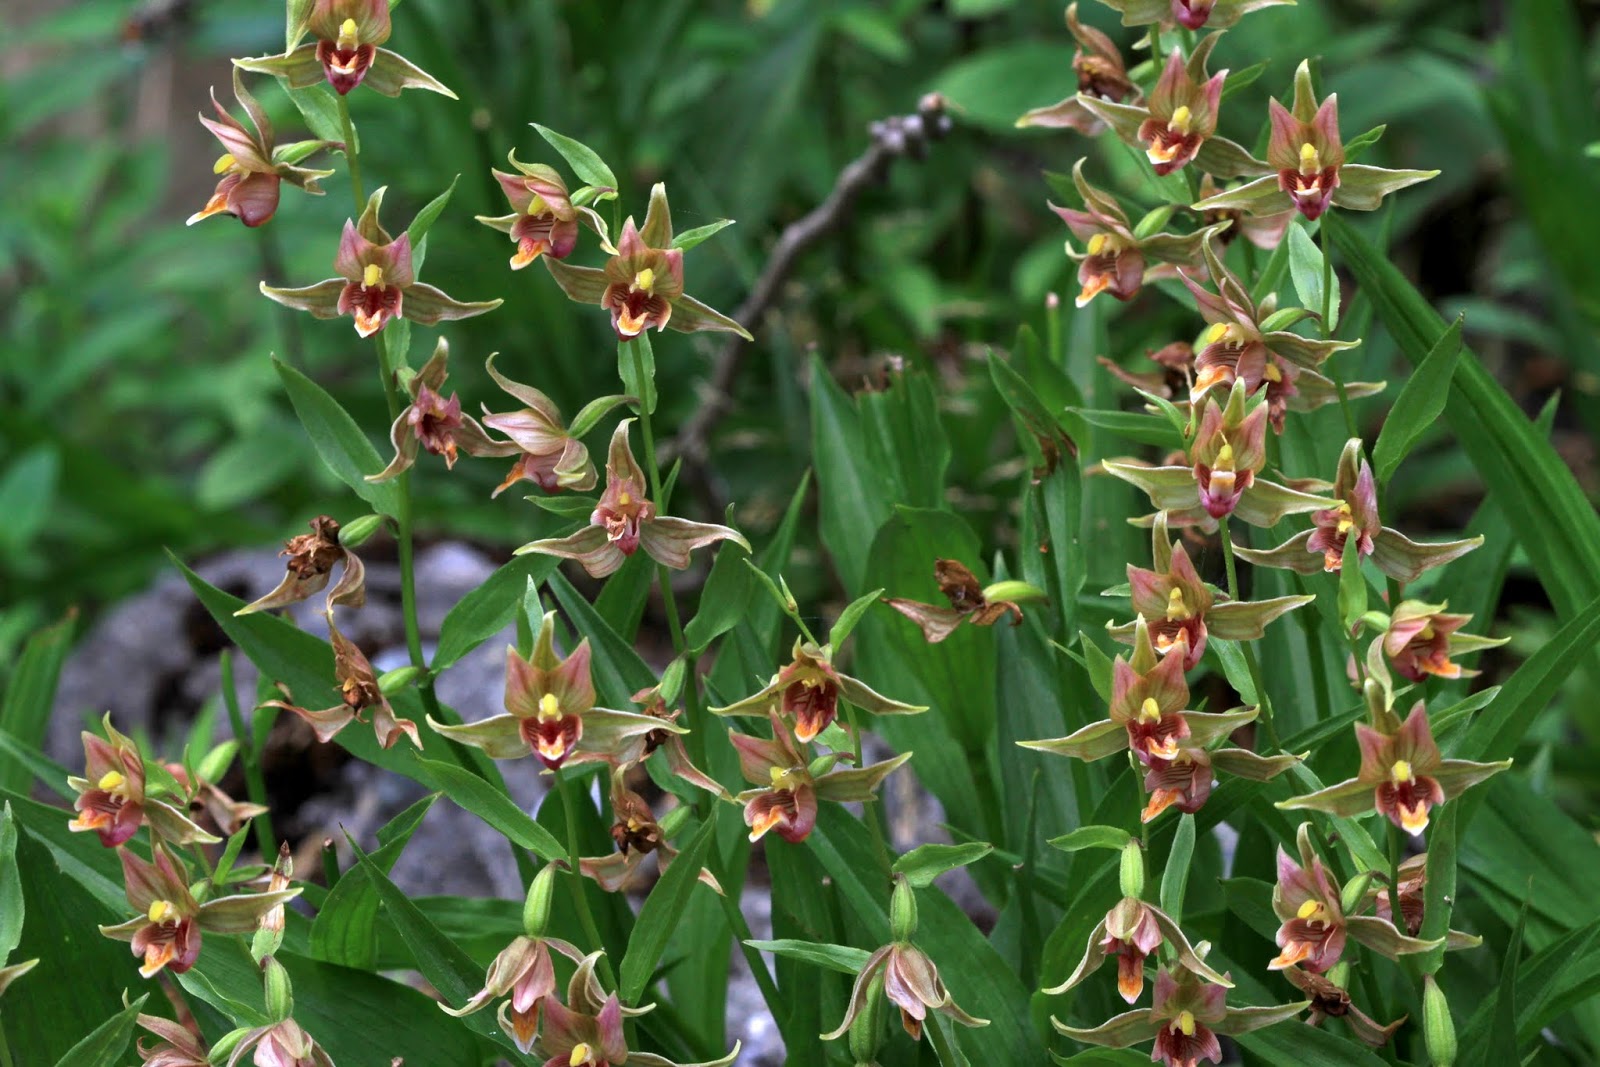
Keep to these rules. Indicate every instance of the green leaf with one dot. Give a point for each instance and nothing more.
(660, 914)
(1154, 430)
(1419, 404)
(724, 599)
(320, 108)
(1092, 837)
(491, 805)
(489, 608)
(1439, 891)
(339, 440)
(1306, 270)
(345, 930)
(583, 160)
(926, 862)
(418, 230)
(448, 969)
(636, 364)
(1352, 584)
(11, 902)
(1556, 522)
(1175, 879)
(850, 616)
(841, 958)
(27, 489)
(30, 692)
(594, 411)
(689, 238)
(618, 671)
(107, 1042)
(994, 86)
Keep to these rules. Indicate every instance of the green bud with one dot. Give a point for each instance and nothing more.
(1339, 974)
(279, 993)
(1438, 1030)
(1132, 872)
(789, 603)
(1378, 620)
(902, 911)
(392, 682)
(225, 1044)
(1012, 590)
(867, 1029)
(356, 531)
(1355, 890)
(675, 820)
(536, 909)
(1153, 221)
(672, 681)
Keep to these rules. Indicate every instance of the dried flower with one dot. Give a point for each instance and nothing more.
(970, 602)
(359, 692)
(912, 984)
(311, 559)
(1329, 1000)
(1101, 74)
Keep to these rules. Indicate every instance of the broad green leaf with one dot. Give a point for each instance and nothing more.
(27, 490)
(491, 805)
(842, 958)
(320, 108)
(1144, 429)
(583, 160)
(1093, 837)
(489, 608)
(1419, 404)
(105, 1044)
(339, 440)
(618, 671)
(1557, 524)
(660, 914)
(924, 863)
(1175, 879)
(1306, 269)
(724, 599)
(853, 498)
(423, 222)
(345, 930)
(30, 691)
(995, 85)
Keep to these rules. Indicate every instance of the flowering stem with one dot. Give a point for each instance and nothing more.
(250, 760)
(868, 816)
(1267, 725)
(580, 897)
(1327, 331)
(741, 931)
(351, 154)
(691, 691)
(941, 1044)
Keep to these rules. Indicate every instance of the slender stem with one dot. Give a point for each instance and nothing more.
(591, 929)
(1328, 332)
(869, 815)
(1267, 725)
(255, 781)
(351, 154)
(5, 1050)
(1394, 873)
(691, 692)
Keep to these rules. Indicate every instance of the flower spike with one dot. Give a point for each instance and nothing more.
(252, 167)
(346, 53)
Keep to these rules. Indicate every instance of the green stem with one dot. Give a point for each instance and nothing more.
(5, 1050)
(255, 783)
(872, 813)
(691, 691)
(1268, 727)
(1328, 332)
(941, 1044)
(580, 897)
(1394, 873)
(351, 154)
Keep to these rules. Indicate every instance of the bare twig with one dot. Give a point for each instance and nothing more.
(901, 135)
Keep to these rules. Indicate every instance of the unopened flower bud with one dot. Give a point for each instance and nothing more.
(1438, 1030)
(279, 993)
(1011, 590)
(1354, 892)
(674, 820)
(902, 911)
(356, 531)
(866, 1031)
(536, 909)
(269, 933)
(392, 682)
(1132, 872)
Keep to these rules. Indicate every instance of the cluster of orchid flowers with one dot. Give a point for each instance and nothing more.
(1245, 374)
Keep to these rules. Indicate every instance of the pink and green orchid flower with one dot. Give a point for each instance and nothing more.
(1421, 639)
(1190, 14)
(807, 690)
(345, 52)
(1307, 154)
(112, 800)
(252, 166)
(912, 984)
(1131, 931)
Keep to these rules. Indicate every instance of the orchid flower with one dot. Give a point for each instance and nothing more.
(359, 692)
(808, 688)
(970, 602)
(1101, 74)
(1131, 931)
(548, 454)
(434, 424)
(345, 52)
(252, 166)
(912, 984)
(112, 800)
